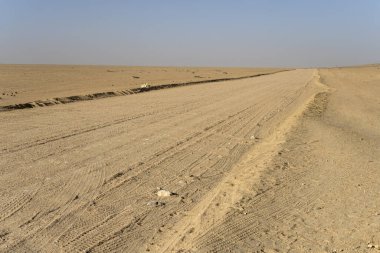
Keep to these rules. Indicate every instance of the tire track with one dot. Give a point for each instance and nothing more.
(101, 195)
(227, 191)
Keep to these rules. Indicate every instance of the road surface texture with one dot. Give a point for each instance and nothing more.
(319, 193)
(268, 164)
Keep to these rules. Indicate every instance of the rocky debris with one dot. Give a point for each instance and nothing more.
(164, 193)
(373, 246)
(145, 86)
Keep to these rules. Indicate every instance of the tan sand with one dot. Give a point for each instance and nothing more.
(287, 162)
(28, 83)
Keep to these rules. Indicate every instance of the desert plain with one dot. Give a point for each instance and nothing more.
(253, 160)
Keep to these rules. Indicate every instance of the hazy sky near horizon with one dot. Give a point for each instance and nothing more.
(253, 33)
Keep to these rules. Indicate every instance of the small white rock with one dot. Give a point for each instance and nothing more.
(163, 193)
(145, 86)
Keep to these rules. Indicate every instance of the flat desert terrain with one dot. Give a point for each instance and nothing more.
(283, 162)
(29, 83)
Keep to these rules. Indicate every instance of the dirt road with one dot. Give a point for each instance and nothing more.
(318, 193)
(255, 165)
(78, 177)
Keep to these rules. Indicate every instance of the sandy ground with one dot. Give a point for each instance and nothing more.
(287, 162)
(28, 83)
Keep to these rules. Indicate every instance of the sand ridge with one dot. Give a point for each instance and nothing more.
(143, 88)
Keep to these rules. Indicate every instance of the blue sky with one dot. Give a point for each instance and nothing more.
(253, 33)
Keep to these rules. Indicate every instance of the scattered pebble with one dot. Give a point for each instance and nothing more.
(145, 86)
(254, 137)
(372, 246)
(164, 193)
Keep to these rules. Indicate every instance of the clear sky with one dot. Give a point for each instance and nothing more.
(191, 32)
